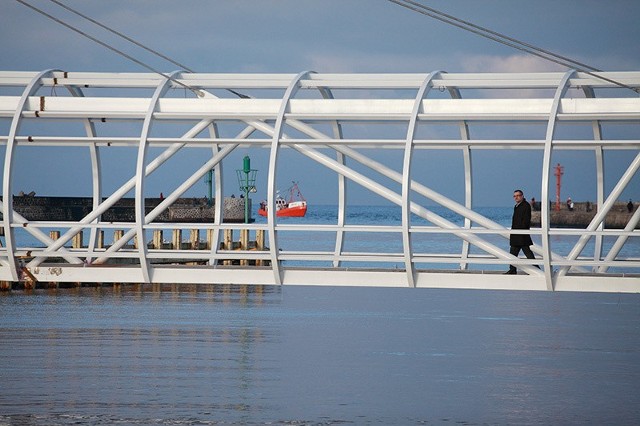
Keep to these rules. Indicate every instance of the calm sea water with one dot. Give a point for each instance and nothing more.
(176, 355)
(199, 355)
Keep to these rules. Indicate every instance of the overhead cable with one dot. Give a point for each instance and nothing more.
(408, 4)
(197, 92)
(507, 41)
(119, 34)
(131, 40)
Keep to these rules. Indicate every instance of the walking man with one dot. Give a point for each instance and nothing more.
(521, 220)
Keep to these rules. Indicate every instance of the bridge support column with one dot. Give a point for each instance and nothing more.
(244, 244)
(176, 241)
(194, 239)
(210, 238)
(227, 243)
(259, 244)
(77, 240)
(157, 239)
(100, 242)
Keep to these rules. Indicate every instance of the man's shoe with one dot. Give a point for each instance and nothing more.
(511, 272)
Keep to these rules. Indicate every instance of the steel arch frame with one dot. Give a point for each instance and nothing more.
(406, 178)
(270, 117)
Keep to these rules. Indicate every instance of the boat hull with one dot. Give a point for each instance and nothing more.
(287, 212)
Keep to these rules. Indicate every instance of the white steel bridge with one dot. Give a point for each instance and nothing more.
(347, 126)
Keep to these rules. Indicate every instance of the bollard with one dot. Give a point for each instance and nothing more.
(101, 239)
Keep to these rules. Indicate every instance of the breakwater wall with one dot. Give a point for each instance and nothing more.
(186, 210)
(583, 213)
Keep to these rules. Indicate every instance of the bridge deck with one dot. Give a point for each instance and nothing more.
(368, 277)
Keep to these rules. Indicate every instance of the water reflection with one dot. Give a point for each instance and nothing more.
(121, 348)
(189, 354)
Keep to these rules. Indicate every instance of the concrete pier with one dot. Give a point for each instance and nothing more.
(185, 210)
(583, 213)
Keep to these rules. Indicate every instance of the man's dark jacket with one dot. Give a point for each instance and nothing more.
(521, 220)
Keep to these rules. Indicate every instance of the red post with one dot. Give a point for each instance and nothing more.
(558, 173)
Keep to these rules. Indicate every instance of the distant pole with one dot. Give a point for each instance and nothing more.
(246, 162)
(559, 171)
(247, 182)
(209, 181)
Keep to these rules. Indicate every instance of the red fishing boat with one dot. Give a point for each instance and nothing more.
(295, 206)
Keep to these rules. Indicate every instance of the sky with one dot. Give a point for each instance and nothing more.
(350, 36)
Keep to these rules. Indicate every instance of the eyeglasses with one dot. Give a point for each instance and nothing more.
(517, 195)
